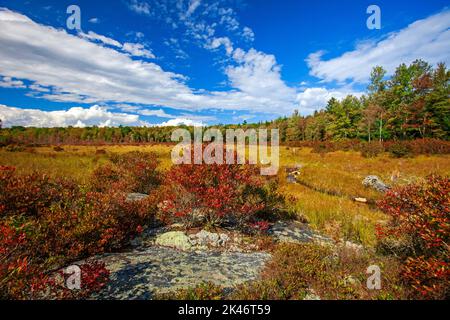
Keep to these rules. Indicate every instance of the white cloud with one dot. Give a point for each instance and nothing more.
(227, 18)
(181, 121)
(139, 7)
(138, 50)
(248, 34)
(38, 88)
(78, 70)
(223, 41)
(427, 39)
(97, 37)
(94, 20)
(193, 5)
(259, 75)
(316, 98)
(75, 116)
(155, 113)
(8, 82)
(135, 49)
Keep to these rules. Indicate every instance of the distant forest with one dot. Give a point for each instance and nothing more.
(413, 103)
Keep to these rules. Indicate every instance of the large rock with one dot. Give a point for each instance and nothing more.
(375, 183)
(139, 274)
(174, 239)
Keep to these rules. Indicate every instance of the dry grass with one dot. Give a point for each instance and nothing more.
(328, 181)
(75, 162)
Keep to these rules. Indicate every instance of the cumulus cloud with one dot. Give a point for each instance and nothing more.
(316, 98)
(76, 116)
(258, 74)
(427, 39)
(181, 121)
(78, 70)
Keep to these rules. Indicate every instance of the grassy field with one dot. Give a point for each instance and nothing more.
(322, 197)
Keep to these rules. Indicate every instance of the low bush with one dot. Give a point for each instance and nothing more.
(46, 223)
(298, 270)
(219, 195)
(399, 149)
(371, 149)
(420, 230)
(131, 172)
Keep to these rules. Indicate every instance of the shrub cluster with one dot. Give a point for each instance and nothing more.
(419, 232)
(219, 195)
(398, 149)
(132, 172)
(46, 223)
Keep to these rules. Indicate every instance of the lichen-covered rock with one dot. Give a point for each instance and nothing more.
(375, 183)
(174, 239)
(139, 274)
(206, 238)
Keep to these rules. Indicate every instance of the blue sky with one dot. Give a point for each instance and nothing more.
(162, 62)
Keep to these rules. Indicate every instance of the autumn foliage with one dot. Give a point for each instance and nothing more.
(218, 195)
(46, 223)
(132, 172)
(421, 221)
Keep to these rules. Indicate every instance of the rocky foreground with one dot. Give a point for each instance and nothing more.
(163, 260)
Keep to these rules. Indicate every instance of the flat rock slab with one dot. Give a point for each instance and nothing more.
(139, 274)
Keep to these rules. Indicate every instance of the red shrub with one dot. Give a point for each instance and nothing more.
(421, 218)
(46, 223)
(214, 195)
(29, 194)
(131, 172)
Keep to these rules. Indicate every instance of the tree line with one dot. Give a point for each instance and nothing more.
(413, 103)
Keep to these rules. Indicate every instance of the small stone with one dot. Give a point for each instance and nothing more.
(375, 183)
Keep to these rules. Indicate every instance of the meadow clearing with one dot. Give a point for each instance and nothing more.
(323, 195)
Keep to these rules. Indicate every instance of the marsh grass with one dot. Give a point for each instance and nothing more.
(328, 181)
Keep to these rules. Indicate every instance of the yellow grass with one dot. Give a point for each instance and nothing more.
(339, 173)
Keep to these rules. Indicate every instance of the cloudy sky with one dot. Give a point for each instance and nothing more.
(165, 62)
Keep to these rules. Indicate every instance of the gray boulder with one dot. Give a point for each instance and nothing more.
(375, 183)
